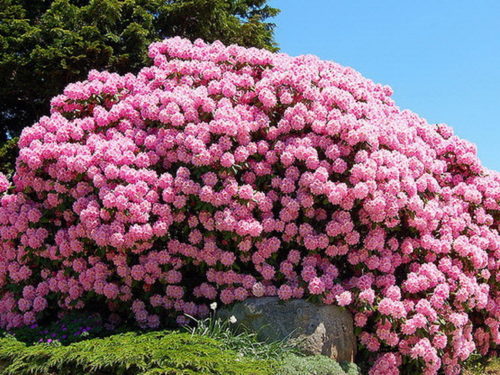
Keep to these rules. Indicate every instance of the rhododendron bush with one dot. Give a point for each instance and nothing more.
(222, 173)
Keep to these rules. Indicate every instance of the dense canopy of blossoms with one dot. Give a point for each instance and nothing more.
(222, 173)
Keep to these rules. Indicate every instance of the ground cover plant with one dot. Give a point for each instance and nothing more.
(20, 350)
(79, 345)
(161, 352)
(315, 365)
(221, 173)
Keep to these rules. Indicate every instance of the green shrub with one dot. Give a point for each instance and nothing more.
(160, 352)
(315, 365)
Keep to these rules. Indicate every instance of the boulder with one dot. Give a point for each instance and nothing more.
(316, 329)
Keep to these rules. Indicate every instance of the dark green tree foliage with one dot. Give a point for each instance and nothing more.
(8, 155)
(46, 44)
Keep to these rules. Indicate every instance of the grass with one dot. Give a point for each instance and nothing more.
(244, 342)
(481, 366)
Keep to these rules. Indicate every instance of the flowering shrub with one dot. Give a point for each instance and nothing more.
(4, 183)
(221, 173)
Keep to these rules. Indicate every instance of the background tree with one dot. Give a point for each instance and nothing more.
(46, 44)
(8, 154)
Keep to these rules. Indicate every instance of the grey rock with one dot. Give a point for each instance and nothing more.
(316, 329)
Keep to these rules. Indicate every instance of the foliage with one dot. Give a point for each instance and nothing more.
(129, 353)
(72, 327)
(44, 45)
(241, 341)
(481, 365)
(98, 356)
(222, 173)
(315, 365)
(8, 155)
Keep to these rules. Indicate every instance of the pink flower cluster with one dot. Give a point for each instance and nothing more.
(222, 173)
(4, 183)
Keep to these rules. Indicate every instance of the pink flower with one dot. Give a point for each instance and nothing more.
(258, 290)
(4, 183)
(111, 291)
(39, 304)
(386, 364)
(360, 320)
(227, 160)
(344, 298)
(367, 295)
(316, 286)
(285, 292)
(440, 341)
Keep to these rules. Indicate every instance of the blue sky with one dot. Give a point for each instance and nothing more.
(442, 58)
